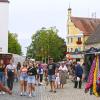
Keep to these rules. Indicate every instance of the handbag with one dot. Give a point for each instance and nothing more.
(78, 79)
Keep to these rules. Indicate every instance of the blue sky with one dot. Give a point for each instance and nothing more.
(28, 16)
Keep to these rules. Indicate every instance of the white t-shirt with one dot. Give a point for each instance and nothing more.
(11, 67)
(63, 68)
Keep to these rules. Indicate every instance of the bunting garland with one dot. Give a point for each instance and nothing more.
(95, 77)
(91, 75)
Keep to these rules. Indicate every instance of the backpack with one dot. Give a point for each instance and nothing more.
(40, 70)
(10, 73)
(79, 70)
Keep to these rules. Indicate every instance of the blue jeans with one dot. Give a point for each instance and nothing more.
(2, 78)
(31, 79)
(10, 81)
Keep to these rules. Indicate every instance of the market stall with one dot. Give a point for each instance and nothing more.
(92, 62)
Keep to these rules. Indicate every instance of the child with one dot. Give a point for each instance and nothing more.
(57, 81)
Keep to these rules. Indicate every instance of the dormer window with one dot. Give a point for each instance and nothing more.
(71, 40)
(79, 39)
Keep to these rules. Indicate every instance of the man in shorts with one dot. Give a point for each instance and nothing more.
(51, 74)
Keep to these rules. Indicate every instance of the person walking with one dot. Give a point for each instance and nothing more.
(40, 74)
(51, 74)
(32, 72)
(18, 71)
(78, 75)
(2, 74)
(23, 80)
(18, 66)
(63, 74)
(73, 70)
(10, 74)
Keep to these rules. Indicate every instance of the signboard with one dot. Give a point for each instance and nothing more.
(78, 56)
(74, 56)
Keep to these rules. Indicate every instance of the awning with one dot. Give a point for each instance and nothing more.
(74, 56)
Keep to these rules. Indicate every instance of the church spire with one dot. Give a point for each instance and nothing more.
(69, 11)
(69, 17)
(69, 7)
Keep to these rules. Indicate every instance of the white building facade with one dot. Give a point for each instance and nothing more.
(4, 16)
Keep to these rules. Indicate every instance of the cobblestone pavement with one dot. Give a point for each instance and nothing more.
(68, 93)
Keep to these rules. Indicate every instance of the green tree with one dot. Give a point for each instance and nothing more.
(13, 44)
(46, 43)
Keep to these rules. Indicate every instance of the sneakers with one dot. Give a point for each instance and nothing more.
(3, 93)
(30, 95)
(33, 94)
(21, 94)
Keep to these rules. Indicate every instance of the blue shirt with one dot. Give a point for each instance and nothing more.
(78, 70)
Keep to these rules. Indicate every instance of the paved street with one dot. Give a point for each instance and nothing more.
(68, 93)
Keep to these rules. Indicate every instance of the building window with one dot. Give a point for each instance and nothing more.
(71, 40)
(76, 50)
(68, 50)
(71, 49)
(79, 39)
(68, 40)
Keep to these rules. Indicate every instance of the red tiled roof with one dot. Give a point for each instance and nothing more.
(94, 37)
(87, 25)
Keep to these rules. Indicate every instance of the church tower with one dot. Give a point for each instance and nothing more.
(4, 16)
(69, 19)
(69, 12)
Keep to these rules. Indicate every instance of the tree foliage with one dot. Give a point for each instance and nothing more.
(46, 43)
(13, 44)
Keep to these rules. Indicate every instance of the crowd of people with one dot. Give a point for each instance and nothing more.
(31, 74)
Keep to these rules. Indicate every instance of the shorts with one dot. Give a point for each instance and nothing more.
(23, 77)
(31, 79)
(51, 77)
